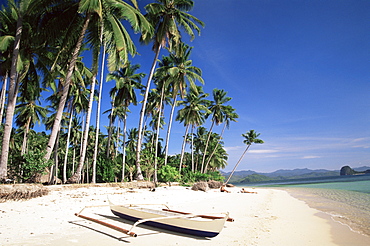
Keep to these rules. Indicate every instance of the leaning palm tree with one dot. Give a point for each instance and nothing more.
(166, 16)
(251, 137)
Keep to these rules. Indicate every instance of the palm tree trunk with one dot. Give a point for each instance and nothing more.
(205, 149)
(98, 118)
(192, 148)
(76, 177)
(240, 159)
(157, 136)
(2, 97)
(110, 130)
(65, 91)
(183, 147)
(24, 144)
(12, 98)
(54, 175)
(169, 130)
(67, 146)
(142, 114)
(124, 149)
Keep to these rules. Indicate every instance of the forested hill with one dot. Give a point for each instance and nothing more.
(247, 176)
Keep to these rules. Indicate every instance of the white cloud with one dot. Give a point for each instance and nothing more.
(311, 157)
(263, 151)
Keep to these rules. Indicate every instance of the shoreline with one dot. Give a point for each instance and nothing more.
(338, 211)
(270, 217)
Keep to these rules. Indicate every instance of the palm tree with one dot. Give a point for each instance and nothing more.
(77, 102)
(229, 115)
(218, 109)
(219, 155)
(127, 81)
(193, 113)
(251, 137)
(166, 16)
(109, 32)
(22, 13)
(179, 71)
(199, 139)
(29, 113)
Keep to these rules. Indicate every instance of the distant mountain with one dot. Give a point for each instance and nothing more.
(295, 172)
(361, 169)
(238, 175)
(282, 174)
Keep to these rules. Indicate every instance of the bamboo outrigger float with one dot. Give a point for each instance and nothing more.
(165, 218)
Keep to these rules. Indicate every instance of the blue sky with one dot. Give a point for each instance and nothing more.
(298, 73)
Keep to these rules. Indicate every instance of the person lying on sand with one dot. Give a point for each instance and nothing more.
(244, 191)
(222, 189)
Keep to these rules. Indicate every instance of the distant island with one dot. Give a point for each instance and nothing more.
(347, 170)
(249, 176)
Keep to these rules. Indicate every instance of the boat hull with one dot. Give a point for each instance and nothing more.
(197, 227)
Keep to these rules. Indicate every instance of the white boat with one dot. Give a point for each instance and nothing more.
(196, 225)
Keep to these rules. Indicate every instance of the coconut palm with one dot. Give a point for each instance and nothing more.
(217, 109)
(179, 72)
(251, 137)
(193, 113)
(199, 139)
(219, 156)
(127, 81)
(229, 115)
(77, 102)
(28, 113)
(18, 19)
(109, 32)
(166, 16)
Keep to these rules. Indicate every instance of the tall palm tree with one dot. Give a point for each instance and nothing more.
(251, 137)
(166, 16)
(193, 113)
(109, 32)
(22, 13)
(81, 25)
(217, 109)
(180, 72)
(77, 102)
(127, 81)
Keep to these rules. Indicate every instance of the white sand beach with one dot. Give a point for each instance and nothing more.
(270, 217)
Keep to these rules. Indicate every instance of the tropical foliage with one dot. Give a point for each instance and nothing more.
(51, 56)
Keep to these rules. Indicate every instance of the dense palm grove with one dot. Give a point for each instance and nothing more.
(42, 45)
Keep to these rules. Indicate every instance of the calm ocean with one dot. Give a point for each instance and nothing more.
(345, 198)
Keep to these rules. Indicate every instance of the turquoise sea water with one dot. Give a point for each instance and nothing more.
(346, 200)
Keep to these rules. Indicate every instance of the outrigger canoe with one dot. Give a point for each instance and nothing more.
(164, 218)
(187, 223)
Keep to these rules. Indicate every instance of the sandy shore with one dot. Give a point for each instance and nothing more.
(270, 217)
